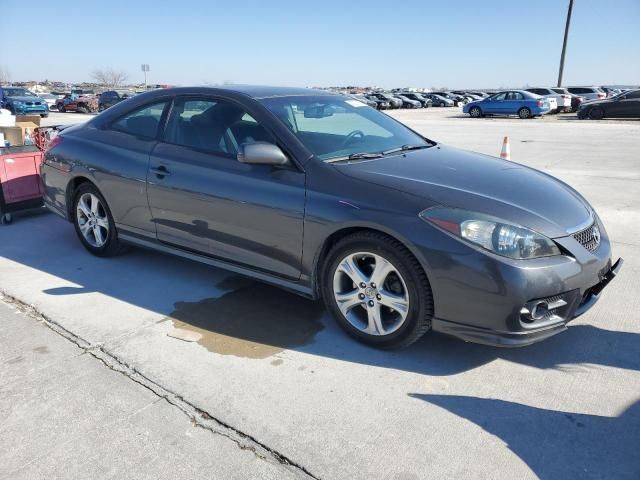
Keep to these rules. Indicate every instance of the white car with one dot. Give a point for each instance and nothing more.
(563, 102)
(589, 93)
(50, 99)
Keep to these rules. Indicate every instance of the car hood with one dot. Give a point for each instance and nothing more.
(455, 178)
(26, 99)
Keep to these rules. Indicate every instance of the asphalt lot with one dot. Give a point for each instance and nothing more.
(275, 368)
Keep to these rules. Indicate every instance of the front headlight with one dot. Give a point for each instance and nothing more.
(17, 102)
(493, 234)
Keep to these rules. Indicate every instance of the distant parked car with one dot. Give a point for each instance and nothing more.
(576, 100)
(393, 102)
(50, 99)
(563, 101)
(408, 102)
(382, 104)
(426, 103)
(438, 100)
(22, 102)
(365, 100)
(456, 99)
(611, 92)
(589, 93)
(512, 102)
(623, 105)
(75, 103)
(111, 97)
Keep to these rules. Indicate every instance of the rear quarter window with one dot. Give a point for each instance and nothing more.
(142, 122)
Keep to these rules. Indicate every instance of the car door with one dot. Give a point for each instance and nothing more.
(627, 105)
(495, 104)
(125, 145)
(512, 102)
(203, 199)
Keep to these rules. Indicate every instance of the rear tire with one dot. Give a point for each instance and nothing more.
(402, 283)
(94, 223)
(524, 113)
(61, 108)
(6, 219)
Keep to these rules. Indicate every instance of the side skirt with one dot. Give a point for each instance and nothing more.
(290, 285)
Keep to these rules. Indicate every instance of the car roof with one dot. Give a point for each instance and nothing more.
(254, 91)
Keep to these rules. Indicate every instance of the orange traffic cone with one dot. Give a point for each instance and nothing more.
(505, 154)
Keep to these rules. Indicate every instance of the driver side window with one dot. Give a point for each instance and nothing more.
(500, 97)
(213, 125)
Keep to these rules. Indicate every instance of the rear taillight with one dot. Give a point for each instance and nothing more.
(567, 97)
(52, 143)
(602, 95)
(540, 103)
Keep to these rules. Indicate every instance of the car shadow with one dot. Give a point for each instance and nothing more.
(219, 306)
(555, 444)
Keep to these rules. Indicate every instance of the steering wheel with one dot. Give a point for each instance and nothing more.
(351, 136)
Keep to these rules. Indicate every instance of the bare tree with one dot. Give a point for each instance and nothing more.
(110, 77)
(5, 77)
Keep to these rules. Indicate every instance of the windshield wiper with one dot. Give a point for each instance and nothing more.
(407, 147)
(355, 156)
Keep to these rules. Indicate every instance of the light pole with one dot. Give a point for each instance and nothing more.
(145, 68)
(564, 43)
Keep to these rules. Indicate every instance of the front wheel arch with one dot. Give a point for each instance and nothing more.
(321, 256)
(70, 194)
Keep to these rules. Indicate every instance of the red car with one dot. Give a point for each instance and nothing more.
(82, 104)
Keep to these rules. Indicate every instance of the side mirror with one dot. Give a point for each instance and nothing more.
(261, 153)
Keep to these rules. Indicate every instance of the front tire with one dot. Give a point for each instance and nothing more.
(61, 108)
(524, 113)
(94, 223)
(475, 112)
(596, 113)
(377, 290)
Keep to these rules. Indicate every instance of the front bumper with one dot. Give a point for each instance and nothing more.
(27, 109)
(580, 304)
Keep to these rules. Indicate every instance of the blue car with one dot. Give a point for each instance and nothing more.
(511, 102)
(22, 102)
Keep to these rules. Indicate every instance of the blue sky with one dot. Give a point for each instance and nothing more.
(453, 43)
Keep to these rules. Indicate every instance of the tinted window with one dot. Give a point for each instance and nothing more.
(633, 95)
(213, 125)
(515, 96)
(500, 96)
(143, 122)
(580, 90)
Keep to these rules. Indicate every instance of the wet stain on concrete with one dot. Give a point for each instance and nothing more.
(277, 362)
(41, 349)
(253, 321)
(15, 360)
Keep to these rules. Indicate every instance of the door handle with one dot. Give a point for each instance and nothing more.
(161, 171)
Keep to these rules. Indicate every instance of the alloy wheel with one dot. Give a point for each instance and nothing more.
(371, 293)
(92, 220)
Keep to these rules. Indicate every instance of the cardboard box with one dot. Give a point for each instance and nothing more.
(28, 118)
(14, 135)
(24, 126)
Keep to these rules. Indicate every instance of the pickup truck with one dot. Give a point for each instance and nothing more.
(78, 103)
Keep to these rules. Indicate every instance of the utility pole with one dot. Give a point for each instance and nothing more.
(564, 44)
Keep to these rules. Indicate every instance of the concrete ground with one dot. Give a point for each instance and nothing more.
(272, 370)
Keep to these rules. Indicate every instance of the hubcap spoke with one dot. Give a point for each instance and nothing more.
(346, 301)
(381, 270)
(84, 228)
(397, 302)
(95, 204)
(97, 233)
(102, 222)
(374, 326)
(349, 266)
(82, 205)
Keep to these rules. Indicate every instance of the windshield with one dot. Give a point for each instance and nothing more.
(333, 127)
(16, 92)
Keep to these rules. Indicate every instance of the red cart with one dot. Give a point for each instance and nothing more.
(20, 185)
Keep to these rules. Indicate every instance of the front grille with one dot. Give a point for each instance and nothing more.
(588, 237)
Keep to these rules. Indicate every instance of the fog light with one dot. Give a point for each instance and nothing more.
(539, 310)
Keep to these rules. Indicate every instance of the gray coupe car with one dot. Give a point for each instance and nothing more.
(327, 197)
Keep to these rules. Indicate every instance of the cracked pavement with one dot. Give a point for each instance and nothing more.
(146, 365)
